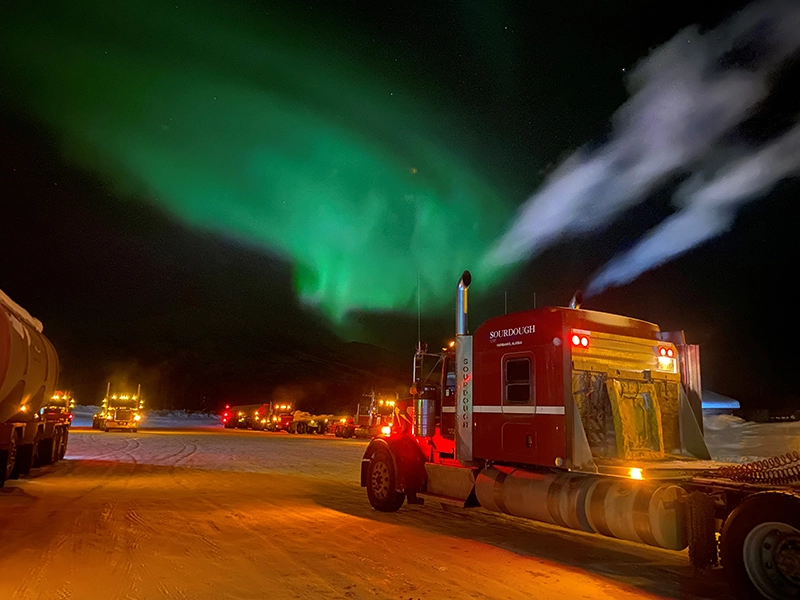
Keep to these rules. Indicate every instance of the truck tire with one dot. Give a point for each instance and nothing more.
(381, 483)
(7, 460)
(302, 428)
(63, 450)
(46, 448)
(58, 436)
(38, 458)
(24, 461)
(760, 547)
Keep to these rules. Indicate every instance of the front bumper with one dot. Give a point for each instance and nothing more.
(122, 424)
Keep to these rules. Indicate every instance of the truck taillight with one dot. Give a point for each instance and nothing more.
(580, 341)
(667, 363)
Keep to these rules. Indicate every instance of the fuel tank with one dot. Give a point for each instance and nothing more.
(638, 511)
(28, 363)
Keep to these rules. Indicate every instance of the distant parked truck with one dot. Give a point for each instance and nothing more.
(268, 416)
(304, 423)
(370, 419)
(120, 411)
(28, 375)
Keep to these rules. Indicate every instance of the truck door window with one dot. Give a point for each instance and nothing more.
(450, 378)
(518, 381)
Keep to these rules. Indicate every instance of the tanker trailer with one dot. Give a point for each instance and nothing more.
(28, 375)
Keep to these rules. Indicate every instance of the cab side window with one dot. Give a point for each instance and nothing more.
(518, 381)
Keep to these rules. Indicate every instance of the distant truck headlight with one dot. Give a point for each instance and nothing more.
(386, 430)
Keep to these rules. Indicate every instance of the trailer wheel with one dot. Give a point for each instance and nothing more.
(55, 448)
(45, 450)
(760, 547)
(36, 458)
(7, 460)
(382, 483)
(64, 439)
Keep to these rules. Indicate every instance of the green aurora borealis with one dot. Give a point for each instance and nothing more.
(257, 130)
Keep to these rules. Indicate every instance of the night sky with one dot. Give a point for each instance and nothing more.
(226, 201)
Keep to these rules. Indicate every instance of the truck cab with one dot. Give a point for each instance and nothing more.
(58, 408)
(120, 412)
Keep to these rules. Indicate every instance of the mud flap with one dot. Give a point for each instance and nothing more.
(692, 439)
(637, 419)
(581, 458)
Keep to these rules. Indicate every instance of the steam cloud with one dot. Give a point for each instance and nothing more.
(686, 97)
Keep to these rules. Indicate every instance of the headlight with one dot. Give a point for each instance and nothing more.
(386, 430)
(137, 418)
(109, 418)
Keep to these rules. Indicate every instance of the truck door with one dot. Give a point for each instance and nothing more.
(526, 406)
(448, 416)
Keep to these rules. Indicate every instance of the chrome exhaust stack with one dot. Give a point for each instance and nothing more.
(463, 426)
(462, 325)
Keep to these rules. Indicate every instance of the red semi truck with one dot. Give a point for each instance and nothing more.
(589, 421)
(30, 433)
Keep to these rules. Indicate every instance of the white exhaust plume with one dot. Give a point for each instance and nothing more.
(710, 209)
(685, 98)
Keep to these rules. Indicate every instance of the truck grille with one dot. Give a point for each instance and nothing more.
(123, 415)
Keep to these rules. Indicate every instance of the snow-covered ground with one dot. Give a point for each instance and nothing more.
(732, 439)
(153, 418)
(213, 514)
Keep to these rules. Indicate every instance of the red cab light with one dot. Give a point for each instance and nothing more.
(668, 352)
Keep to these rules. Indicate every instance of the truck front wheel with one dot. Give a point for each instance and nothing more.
(760, 547)
(382, 483)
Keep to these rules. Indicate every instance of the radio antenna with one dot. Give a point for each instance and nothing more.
(419, 313)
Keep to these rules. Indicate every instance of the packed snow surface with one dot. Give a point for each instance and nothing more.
(209, 513)
(213, 514)
(153, 418)
(733, 439)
